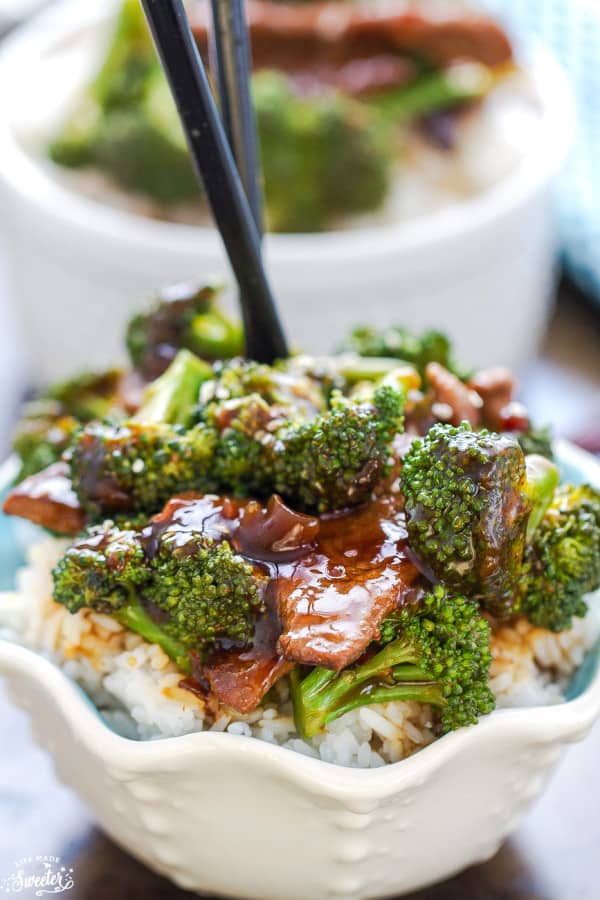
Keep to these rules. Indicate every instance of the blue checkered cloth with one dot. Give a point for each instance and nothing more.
(571, 28)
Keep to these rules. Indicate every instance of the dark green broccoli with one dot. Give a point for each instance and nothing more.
(323, 157)
(131, 58)
(142, 158)
(436, 653)
(467, 511)
(188, 595)
(326, 463)
(48, 424)
(562, 561)
(258, 430)
(136, 465)
(184, 315)
(400, 343)
(133, 468)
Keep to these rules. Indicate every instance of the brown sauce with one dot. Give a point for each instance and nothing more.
(333, 600)
(332, 582)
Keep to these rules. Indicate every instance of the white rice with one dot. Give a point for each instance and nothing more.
(136, 687)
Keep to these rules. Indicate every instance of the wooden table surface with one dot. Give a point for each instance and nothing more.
(555, 854)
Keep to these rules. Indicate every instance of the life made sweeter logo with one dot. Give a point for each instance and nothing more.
(38, 875)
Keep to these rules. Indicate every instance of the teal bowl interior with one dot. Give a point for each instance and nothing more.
(15, 534)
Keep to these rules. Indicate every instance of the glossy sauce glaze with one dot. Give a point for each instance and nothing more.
(48, 499)
(331, 583)
(333, 600)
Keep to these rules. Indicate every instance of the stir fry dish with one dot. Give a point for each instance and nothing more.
(338, 88)
(350, 531)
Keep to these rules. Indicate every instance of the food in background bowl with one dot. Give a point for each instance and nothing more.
(349, 556)
(361, 109)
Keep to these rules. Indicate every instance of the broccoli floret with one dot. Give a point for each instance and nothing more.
(295, 394)
(189, 595)
(119, 86)
(562, 561)
(400, 343)
(131, 58)
(140, 157)
(437, 653)
(324, 156)
(185, 315)
(327, 463)
(126, 123)
(132, 468)
(258, 431)
(467, 511)
(49, 423)
(336, 460)
(136, 465)
(209, 591)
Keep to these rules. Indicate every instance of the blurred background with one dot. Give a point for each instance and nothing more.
(443, 180)
(448, 184)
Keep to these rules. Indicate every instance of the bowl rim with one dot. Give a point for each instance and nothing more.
(23, 174)
(542, 725)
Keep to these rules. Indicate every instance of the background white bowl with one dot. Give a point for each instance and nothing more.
(233, 815)
(482, 269)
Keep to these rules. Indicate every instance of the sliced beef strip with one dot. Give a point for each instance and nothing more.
(324, 608)
(308, 37)
(332, 601)
(48, 499)
(332, 583)
(241, 678)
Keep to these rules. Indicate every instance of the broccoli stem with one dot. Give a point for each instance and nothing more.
(212, 335)
(380, 370)
(172, 398)
(391, 674)
(435, 91)
(542, 480)
(135, 617)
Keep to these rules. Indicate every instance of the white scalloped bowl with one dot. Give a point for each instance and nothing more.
(482, 269)
(236, 816)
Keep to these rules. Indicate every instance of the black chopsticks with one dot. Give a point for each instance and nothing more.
(215, 166)
(232, 62)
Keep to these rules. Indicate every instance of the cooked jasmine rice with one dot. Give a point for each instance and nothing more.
(137, 688)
